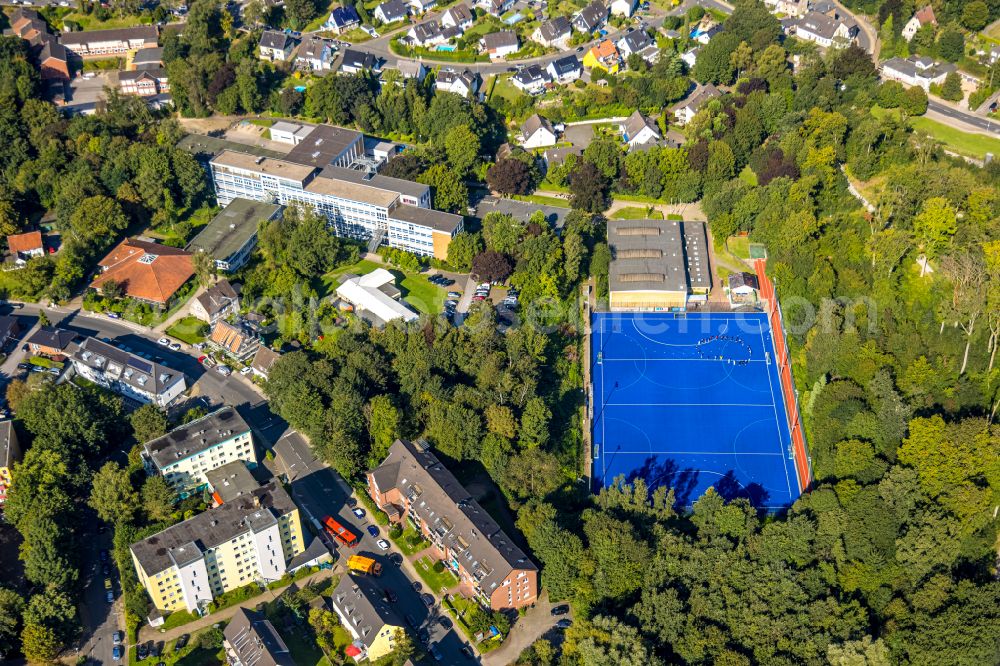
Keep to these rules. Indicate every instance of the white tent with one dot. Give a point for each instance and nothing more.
(364, 292)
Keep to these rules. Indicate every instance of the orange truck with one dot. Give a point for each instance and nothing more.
(339, 532)
(365, 565)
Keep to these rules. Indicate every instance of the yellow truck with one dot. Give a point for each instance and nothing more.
(365, 565)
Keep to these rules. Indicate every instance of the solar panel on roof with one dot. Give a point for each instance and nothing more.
(139, 364)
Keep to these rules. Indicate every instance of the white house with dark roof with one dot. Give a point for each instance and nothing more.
(412, 69)
(825, 30)
(391, 11)
(531, 79)
(638, 130)
(498, 45)
(640, 43)
(687, 109)
(623, 7)
(458, 16)
(355, 62)
(917, 71)
(132, 376)
(342, 19)
(554, 33)
(217, 302)
(462, 83)
(421, 6)
(275, 46)
(919, 19)
(565, 70)
(591, 18)
(537, 132)
(316, 53)
(495, 7)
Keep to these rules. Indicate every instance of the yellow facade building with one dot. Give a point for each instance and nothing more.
(367, 616)
(10, 453)
(252, 538)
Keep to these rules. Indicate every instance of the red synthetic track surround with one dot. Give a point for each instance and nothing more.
(802, 470)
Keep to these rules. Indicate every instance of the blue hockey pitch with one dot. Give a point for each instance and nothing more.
(691, 401)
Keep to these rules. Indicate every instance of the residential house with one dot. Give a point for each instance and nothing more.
(185, 454)
(623, 7)
(391, 11)
(556, 156)
(412, 486)
(430, 33)
(342, 19)
(495, 7)
(693, 104)
(565, 70)
(10, 453)
(50, 341)
(50, 55)
(706, 30)
(251, 640)
(690, 57)
(499, 45)
(537, 132)
(360, 205)
(150, 56)
(217, 302)
(458, 16)
(554, 33)
(355, 62)
(276, 45)
(462, 83)
(315, 54)
(917, 71)
(375, 297)
(239, 340)
(263, 361)
(531, 79)
(9, 328)
(640, 43)
(231, 236)
(23, 247)
(144, 82)
(638, 130)
(412, 69)
(921, 18)
(27, 24)
(591, 18)
(148, 272)
(134, 377)
(251, 539)
(421, 6)
(368, 617)
(53, 61)
(117, 41)
(825, 30)
(788, 8)
(604, 55)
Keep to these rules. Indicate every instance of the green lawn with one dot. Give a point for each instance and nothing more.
(542, 200)
(411, 541)
(963, 143)
(636, 213)
(421, 294)
(504, 88)
(303, 647)
(188, 330)
(331, 280)
(434, 574)
(739, 246)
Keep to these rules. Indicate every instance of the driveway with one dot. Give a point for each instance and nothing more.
(534, 624)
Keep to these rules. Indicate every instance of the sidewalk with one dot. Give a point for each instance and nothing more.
(528, 629)
(148, 633)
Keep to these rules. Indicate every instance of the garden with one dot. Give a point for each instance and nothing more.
(435, 574)
(190, 330)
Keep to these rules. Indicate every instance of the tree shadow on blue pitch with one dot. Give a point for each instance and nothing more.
(656, 472)
(729, 489)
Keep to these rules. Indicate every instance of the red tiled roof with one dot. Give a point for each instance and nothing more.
(147, 271)
(926, 15)
(25, 242)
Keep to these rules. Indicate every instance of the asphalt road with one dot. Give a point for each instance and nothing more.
(320, 491)
(983, 123)
(99, 618)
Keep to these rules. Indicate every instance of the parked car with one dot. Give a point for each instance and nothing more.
(396, 559)
(373, 530)
(164, 342)
(435, 652)
(564, 623)
(417, 586)
(412, 621)
(104, 556)
(118, 637)
(156, 649)
(383, 544)
(117, 652)
(246, 371)
(110, 596)
(390, 596)
(358, 512)
(444, 622)
(107, 583)
(181, 642)
(560, 610)
(223, 370)
(427, 599)
(113, 315)
(55, 371)
(24, 366)
(142, 651)
(454, 294)
(201, 359)
(175, 346)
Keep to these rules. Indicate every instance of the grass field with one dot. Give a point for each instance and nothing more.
(436, 580)
(417, 291)
(188, 330)
(411, 541)
(963, 143)
(739, 246)
(542, 200)
(636, 213)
